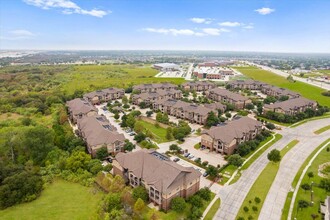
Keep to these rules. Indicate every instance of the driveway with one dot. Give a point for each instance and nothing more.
(232, 196)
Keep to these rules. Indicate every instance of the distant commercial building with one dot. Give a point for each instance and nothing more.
(225, 139)
(162, 178)
(166, 66)
(223, 95)
(291, 106)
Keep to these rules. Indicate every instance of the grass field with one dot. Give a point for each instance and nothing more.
(296, 179)
(306, 90)
(92, 77)
(159, 133)
(60, 200)
(319, 194)
(261, 186)
(213, 210)
(321, 130)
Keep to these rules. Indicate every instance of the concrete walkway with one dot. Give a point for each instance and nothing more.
(232, 196)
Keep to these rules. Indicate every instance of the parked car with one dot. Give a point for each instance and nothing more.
(205, 174)
(191, 156)
(197, 159)
(132, 133)
(176, 159)
(186, 154)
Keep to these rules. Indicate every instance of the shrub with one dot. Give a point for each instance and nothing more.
(178, 204)
(235, 160)
(246, 209)
(205, 193)
(274, 155)
(255, 208)
(257, 200)
(140, 192)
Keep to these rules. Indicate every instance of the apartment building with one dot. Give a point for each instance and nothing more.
(291, 106)
(278, 92)
(97, 132)
(78, 108)
(246, 84)
(223, 95)
(142, 88)
(225, 139)
(191, 112)
(162, 178)
(150, 97)
(104, 95)
(198, 86)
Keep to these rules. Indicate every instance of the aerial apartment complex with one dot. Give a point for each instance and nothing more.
(225, 139)
(162, 178)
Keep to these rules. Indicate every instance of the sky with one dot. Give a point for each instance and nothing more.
(222, 25)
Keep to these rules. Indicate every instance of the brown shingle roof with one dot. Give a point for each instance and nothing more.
(164, 175)
(80, 106)
(228, 94)
(291, 104)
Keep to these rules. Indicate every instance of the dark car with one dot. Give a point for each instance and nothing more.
(176, 159)
(205, 174)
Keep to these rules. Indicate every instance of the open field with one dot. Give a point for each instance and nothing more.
(294, 183)
(306, 90)
(210, 214)
(321, 130)
(158, 132)
(60, 200)
(318, 195)
(261, 187)
(93, 77)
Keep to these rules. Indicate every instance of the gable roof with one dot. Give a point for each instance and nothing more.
(291, 104)
(80, 106)
(164, 175)
(228, 94)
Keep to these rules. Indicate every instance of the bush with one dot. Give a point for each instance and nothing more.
(255, 208)
(274, 155)
(102, 153)
(246, 209)
(178, 204)
(205, 163)
(195, 201)
(270, 126)
(140, 192)
(235, 160)
(257, 200)
(205, 193)
(139, 137)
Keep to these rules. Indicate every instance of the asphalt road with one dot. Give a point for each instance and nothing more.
(232, 196)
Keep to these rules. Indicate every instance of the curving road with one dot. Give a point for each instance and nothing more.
(232, 196)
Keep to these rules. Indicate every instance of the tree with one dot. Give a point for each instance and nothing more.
(102, 153)
(140, 192)
(274, 156)
(149, 113)
(235, 160)
(325, 184)
(142, 105)
(205, 193)
(139, 206)
(154, 214)
(195, 214)
(228, 115)
(162, 118)
(116, 214)
(257, 200)
(196, 201)
(211, 119)
(246, 209)
(270, 126)
(130, 121)
(124, 99)
(116, 116)
(310, 175)
(140, 137)
(77, 160)
(212, 171)
(39, 141)
(249, 106)
(302, 204)
(129, 146)
(113, 201)
(178, 204)
(138, 127)
(174, 147)
(169, 133)
(255, 208)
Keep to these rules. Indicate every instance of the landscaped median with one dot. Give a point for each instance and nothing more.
(321, 130)
(254, 200)
(324, 155)
(252, 157)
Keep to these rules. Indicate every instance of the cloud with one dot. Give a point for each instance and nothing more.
(18, 35)
(201, 20)
(249, 26)
(67, 6)
(187, 32)
(230, 24)
(264, 11)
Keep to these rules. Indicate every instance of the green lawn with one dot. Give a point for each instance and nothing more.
(296, 179)
(60, 200)
(319, 194)
(210, 214)
(261, 186)
(92, 77)
(274, 122)
(321, 130)
(158, 132)
(306, 90)
(326, 115)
